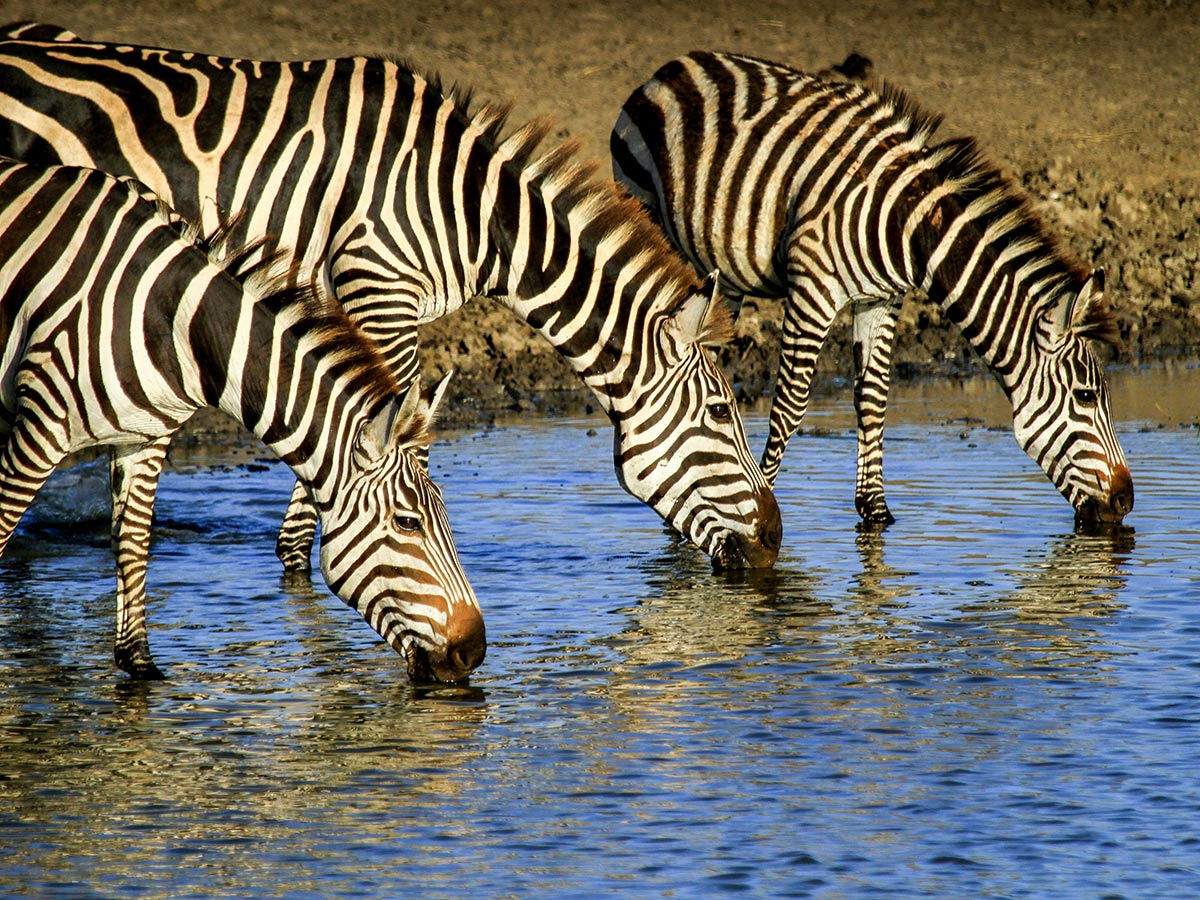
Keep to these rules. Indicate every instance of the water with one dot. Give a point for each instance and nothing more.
(977, 702)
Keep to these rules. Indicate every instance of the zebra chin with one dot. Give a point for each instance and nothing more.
(757, 550)
(464, 650)
(1109, 509)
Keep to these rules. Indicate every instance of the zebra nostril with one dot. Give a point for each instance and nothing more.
(467, 656)
(1123, 503)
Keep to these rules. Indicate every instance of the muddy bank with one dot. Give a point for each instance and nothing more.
(1089, 104)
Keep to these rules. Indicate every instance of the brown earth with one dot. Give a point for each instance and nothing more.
(1091, 106)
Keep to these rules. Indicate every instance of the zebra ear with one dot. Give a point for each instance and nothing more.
(1085, 314)
(401, 423)
(702, 318)
(1093, 317)
(439, 394)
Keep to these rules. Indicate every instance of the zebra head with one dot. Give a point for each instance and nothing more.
(1061, 415)
(387, 549)
(681, 447)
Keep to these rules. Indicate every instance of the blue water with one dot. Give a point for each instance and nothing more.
(977, 702)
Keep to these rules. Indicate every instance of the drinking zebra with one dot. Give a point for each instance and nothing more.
(114, 329)
(407, 204)
(830, 194)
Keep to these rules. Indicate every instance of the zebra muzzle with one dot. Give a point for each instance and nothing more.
(1112, 509)
(760, 548)
(464, 650)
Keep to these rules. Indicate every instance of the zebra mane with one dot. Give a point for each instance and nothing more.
(921, 123)
(573, 184)
(489, 118)
(960, 163)
(218, 245)
(608, 209)
(312, 311)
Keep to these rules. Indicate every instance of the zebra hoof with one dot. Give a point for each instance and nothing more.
(297, 582)
(295, 561)
(139, 667)
(875, 513)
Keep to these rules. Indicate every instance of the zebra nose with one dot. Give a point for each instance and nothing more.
(760, 549)
(1120, 493)
(466, 645)
(770, 523)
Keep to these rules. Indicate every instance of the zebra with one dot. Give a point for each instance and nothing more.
(115, 328)
(406, 203)
(827, 194)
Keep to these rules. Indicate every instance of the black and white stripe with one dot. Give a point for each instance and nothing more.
(407, 204)
(115, 328)
(831, 194)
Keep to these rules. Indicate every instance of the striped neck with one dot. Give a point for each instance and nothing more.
(598, 312)
(582, 265)
(291, 369)
(974, 247)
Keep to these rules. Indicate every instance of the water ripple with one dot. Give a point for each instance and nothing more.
(977, 701)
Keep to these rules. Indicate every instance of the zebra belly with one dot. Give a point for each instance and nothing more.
(435, 306)
(746, 266)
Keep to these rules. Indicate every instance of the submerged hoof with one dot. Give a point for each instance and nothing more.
(139, 666)
(874, 512)
(295, 561)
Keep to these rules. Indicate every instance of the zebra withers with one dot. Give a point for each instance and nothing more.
(115, 328)
(828, 194)
(407, 203)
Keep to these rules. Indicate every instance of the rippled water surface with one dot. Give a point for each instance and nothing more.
(977, 702)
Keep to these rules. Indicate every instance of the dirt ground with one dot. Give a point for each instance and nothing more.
(1091, 105)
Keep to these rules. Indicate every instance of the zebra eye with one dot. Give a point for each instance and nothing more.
(409, 524)
(1086, 396)
(720, 412)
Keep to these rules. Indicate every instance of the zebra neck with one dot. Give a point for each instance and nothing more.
(596, 291)
(989, 274)
(596, 325)
(311, 425)
(300, 392)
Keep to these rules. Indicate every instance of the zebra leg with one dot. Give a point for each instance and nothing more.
(134, 475)
(28, 456)
(807, 318)
(874, 338)
(297, 533)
